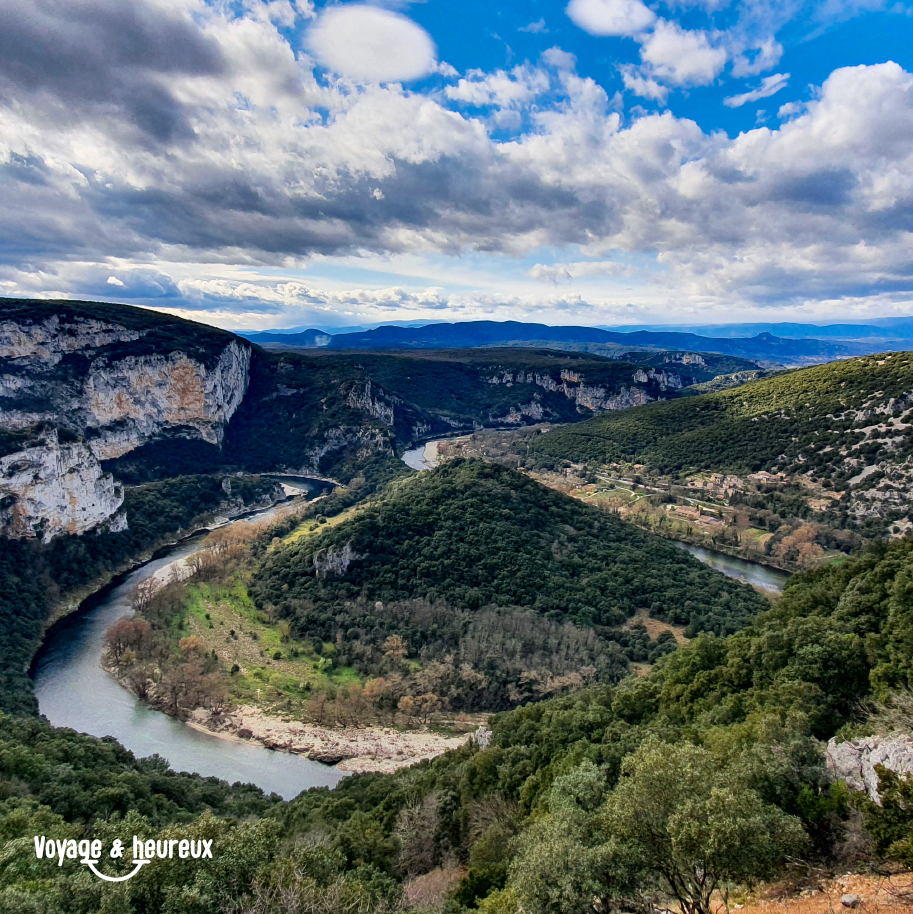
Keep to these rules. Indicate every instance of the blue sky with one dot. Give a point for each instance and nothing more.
(268, 163)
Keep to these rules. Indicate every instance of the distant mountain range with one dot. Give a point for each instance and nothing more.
(839, 341)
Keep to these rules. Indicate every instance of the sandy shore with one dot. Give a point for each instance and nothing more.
(360, 750)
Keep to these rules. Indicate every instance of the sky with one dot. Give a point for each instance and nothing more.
(282, 163)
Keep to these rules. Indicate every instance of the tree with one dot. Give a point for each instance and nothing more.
(560, 866)
(395, 647)
(686, 822)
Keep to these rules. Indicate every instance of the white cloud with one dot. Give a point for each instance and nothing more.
(567, 272)
(755, 60)
(610, 18)
(114, 281)
(370, 44)
(251, 163)
(681, 56)
(642, 85)
(560, 60)
(503, 90)
(769, 86)
(534, 28)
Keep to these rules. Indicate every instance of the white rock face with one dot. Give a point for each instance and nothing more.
(114, 390)
(53, 338)
(854, 761)
(333, 561)
(135, 399)
(574, 387)
(116, 401)
(52, 488)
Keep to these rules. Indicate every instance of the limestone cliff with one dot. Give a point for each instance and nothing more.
(80, 376)
(49, 488)
(572, 384)
(111, 387)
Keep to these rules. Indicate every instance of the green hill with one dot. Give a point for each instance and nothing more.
(747, 711)
(471, 535)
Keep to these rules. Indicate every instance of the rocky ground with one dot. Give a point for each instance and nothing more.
(356, 749)
(862, 893)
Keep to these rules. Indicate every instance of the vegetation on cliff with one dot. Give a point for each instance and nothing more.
(817, 420)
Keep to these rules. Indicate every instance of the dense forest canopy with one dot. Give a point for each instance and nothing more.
(471, 534)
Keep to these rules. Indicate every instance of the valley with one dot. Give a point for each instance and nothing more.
(482, 643)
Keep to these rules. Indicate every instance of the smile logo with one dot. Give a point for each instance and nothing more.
(89, 852)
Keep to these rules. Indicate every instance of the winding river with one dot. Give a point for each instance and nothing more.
(74, 691)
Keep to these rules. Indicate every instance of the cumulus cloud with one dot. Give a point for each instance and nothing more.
(684, 57)
(371, 44)
(611, 17)
(643, 86)
(769, 86)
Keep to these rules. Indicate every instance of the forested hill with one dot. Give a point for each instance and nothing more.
(470, 535)
(614, 793)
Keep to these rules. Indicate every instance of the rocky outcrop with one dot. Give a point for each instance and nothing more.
(364, 399)
(53, 338)
(49, 488)
(532, 410)
(82, 377)
(587, 397)
(855, 761)
(365, 441)
(665, 379)
(332, 561)
(138, 399)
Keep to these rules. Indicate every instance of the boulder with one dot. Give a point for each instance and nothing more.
(854, 761)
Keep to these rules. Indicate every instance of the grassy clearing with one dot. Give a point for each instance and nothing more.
(311, 526)
(271, 665)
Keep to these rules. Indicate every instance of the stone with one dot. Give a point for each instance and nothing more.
(49, 488)
(854, 761)
(850, 901)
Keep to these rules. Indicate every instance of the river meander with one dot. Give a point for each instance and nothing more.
(74, 691)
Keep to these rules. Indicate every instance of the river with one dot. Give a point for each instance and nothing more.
(74, 691)
(763, 576)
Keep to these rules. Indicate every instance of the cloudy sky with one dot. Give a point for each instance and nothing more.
(287, 163)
